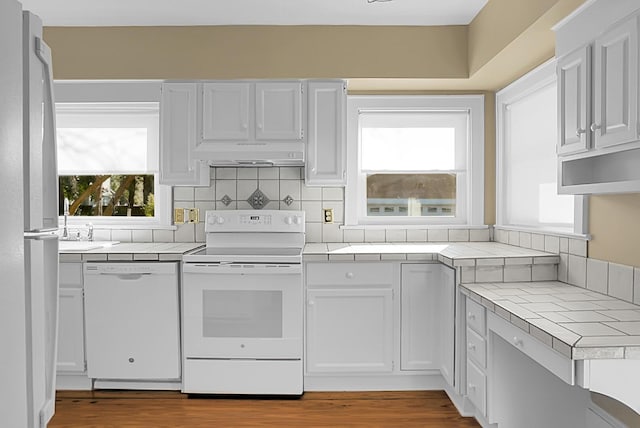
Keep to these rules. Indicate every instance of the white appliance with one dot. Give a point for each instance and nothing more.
(28, 230)
(242, 305)
(131, 321)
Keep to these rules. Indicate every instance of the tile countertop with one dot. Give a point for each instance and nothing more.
(133, 251)
(579, 323)
(450, 253)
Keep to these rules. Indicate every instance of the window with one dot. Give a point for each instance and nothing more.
(415, 160)
(527, 163)
(108, 160)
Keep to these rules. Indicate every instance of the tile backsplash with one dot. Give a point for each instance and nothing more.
(575, 268)
(282, 188)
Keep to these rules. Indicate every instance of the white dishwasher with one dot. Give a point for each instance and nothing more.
(132, 320)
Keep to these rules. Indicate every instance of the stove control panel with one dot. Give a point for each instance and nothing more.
(254, 221)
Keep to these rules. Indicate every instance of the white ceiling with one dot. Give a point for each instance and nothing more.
(253, 12)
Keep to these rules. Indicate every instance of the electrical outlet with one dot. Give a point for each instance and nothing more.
(193, 215)
(328, 215)
(178, 216)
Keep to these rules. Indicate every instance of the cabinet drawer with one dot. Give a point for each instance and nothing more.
(476, 317)
(476, 348)
(477, 387)
(557, 364)
(319, 274)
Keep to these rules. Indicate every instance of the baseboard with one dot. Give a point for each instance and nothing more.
(372, 382)
(140, 385)
(74, 382)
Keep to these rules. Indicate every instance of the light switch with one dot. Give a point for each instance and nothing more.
(178, 216)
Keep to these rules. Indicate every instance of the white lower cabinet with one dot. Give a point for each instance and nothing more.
(349, 317)
(378, 325)
(350, 330)
(71, 356)
(427, 317)
(476, 352)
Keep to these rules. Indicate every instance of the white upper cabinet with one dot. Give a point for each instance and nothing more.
(326, 148)
(574, 77)
(278, 111)
(238, 115)
(616, 86)
(253, 122)
(178, 137)
(598, 82)
(225, 111)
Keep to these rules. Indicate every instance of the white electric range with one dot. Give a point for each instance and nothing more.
(242, 305)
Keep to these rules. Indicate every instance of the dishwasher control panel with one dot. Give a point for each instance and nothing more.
(111, 268)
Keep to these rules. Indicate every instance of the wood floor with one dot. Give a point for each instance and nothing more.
(314, 409)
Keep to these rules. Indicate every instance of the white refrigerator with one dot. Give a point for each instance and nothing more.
(28, 228)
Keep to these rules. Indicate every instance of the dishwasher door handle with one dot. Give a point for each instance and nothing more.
(127, 276)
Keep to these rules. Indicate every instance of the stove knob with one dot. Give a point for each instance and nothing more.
(297, 220)
(220, 220)
(211, 219)
(288, 220)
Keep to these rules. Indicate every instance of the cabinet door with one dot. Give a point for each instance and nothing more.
(574, 76)
(326, 148)
(225, 111)
(616, 86)
(349, 330)
(420, 317)
(278, 111)
(178, 137)
(71, 331)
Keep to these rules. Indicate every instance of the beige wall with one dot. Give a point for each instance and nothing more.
(232, 52)
(507, 39)
(614, 224)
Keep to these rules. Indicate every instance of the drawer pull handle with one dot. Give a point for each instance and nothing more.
(472, 347)
(349, 275)
(472, 387)
(471, 316)
(517, 341)
(595, 126)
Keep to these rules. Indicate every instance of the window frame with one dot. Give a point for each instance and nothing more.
(125, 91)
(470, 190)
(535, 80)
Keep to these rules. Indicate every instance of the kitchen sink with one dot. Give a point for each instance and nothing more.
(84, 245)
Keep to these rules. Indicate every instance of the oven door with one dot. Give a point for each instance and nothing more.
(249, 311)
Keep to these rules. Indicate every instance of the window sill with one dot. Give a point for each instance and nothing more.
(412, 226)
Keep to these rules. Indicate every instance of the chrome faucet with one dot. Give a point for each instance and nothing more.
(90, 232)
(65, 230)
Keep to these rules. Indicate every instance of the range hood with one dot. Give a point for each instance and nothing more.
(256, 155)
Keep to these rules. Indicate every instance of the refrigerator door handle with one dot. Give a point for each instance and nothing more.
(49, 149)
(41, 236)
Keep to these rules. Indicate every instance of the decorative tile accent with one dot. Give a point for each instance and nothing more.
(258, 200)
(288, 200)
(226, 200)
